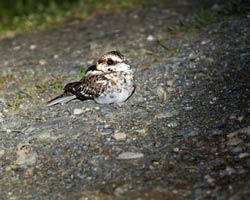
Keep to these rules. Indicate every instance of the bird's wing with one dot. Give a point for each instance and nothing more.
(91, 86)
(64, 98)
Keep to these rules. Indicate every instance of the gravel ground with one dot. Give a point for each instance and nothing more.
(184, 134)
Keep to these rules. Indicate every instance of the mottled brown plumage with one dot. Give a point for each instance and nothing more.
(109, 81)
(91, 86)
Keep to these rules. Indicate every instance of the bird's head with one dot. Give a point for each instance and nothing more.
(112, 61)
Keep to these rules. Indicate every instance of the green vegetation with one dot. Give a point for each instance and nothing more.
(236, 7)
(82, 72)
(231, 7)
(204, 17)
(4, 79)
(56, 85)
(21, 15)
(16, 102)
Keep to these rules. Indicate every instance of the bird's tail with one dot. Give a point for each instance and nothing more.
(64, 98)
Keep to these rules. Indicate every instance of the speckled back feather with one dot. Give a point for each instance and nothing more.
(91, 86)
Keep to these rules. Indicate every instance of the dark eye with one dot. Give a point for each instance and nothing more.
(110, 61)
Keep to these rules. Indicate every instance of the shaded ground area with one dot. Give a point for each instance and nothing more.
(184, 134)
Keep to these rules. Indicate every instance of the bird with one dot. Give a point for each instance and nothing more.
(109, 81)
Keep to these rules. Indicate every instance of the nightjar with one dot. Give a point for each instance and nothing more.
(109, 81)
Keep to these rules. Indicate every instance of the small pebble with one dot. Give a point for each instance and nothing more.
(120, 190)
(176, 149)
(42, 62)
(231, 135)
(175, 191)
(78, 111)
(162, 94)
(130, 155)
(93, 45)
(141, 131)
(120, 136)
(170, 89)
(167, 114)
(87, 109)
(230, 170)
(135, 16)
(209, 179)
(187, 108)
(173, 124)
(204, 42)
(26, 155)
(28, 172)
(90, 62)
(16, 48)
(8, 168)
(150, 38)
(32, 47)
(243, 155)
(2, 152)
(1, 115)
(170, 82)
(234, 141)
(106, 131)
(237, 149)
